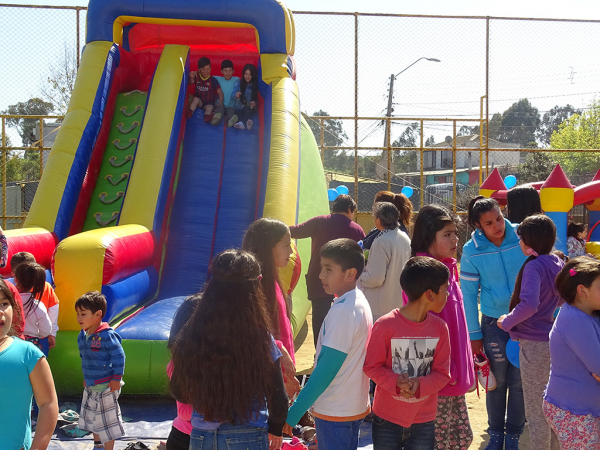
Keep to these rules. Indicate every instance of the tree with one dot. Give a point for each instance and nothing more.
(465, 131)
(406, 160)
(519, 123)
(430, 141)
(551, 121)
(25, 127)
(59, 83)
(333, 136)
(537, 167)
(580, 131)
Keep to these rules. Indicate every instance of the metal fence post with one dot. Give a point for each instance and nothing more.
(356, 108)
(4, 173)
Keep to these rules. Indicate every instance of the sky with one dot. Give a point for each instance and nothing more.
(550, 63)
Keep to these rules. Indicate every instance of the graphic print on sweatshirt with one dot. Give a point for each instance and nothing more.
(413, 356)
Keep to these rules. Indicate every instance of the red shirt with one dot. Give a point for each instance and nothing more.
(422, 350)
(207, 90)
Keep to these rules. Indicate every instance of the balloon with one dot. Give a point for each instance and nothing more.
(332, 194)
(510, 181)
(512, 352)
(342, 190)
(408, 191)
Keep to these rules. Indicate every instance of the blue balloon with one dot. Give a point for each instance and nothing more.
(512, 352)
(408, 191)
(332, 194)
(510, 181)
(342, 190)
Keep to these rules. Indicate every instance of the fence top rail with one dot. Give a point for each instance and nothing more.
(337, 13)
(413, 119)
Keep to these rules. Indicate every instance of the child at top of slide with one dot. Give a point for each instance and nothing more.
(49, 299)
(409, 359)
(572, 397)
(270, 241)
(246, 97)
(530, 320)
(207, 95)
(338, 388)
(24, 371)
(435, 235)
(227, 83)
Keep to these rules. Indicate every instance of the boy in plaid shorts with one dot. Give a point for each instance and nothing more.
(103, 364)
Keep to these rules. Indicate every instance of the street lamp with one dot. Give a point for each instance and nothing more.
(391, 95)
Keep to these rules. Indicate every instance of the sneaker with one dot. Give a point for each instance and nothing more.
(239, 126)
(216, 119)
(484, 374)
(249, 124)
(231, 122)
(207, 117)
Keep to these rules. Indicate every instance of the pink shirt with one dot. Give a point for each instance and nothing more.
(286, 337)
(183, 421)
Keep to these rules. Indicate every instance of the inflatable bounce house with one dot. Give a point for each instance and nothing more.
(135, 200)
(558, 196)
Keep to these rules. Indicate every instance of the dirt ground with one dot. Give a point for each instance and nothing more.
(305, 352)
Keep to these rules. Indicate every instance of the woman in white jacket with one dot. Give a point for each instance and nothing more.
(380, 281)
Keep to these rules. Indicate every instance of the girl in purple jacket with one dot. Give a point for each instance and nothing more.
(435, 235)
(530, 320)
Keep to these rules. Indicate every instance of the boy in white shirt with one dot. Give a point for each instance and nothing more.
(338, 389)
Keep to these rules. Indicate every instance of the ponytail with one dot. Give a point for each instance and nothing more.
(478, 206)
(515, 298)
(31, 277)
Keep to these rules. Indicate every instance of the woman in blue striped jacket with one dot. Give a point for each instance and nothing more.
(490, 262)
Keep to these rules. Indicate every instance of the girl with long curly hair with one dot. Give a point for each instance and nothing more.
(270, 241)
(226, 363)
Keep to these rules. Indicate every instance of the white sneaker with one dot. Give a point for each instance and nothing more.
(484, 374)
(249, 124)
(239, 126)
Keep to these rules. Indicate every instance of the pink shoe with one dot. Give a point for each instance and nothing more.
(295, 444)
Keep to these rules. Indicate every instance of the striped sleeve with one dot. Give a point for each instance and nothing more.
(469, 284)
(117, 356)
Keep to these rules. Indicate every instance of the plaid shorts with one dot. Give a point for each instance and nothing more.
(100, 414)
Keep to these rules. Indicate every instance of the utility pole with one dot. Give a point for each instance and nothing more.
(389, 110)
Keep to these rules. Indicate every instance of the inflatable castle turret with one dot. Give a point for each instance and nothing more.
(557, 197)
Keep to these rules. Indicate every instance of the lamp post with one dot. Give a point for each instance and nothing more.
(391, 95)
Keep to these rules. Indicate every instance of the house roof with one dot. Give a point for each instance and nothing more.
(472, 141)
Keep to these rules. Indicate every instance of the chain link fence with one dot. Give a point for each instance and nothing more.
(394, 101)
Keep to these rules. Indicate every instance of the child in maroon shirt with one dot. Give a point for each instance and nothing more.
(207, 95)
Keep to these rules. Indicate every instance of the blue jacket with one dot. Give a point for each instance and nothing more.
(491, 269)
(102, 357)
(239, 104)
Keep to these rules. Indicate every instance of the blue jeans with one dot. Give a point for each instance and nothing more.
(230, 437)
(391, 436)
(337, 435)
(508, 378)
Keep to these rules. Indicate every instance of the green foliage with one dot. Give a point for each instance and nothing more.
(430, 141)
(580, 131)
(25, 127)
(519, 123)
(552, 120)
(537, 167)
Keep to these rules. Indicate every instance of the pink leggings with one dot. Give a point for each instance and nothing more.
(574, 432)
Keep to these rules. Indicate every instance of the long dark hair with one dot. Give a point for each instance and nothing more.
(574, 228)
(478, 206)
(222, 356)
(260, 238)
(16, 315)
(581, 270)
(253, 83)
(539, 233)
(430, 220)
(400, 201)
(522, 202)
(31, 277)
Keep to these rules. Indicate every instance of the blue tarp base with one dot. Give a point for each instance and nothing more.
(150, 423)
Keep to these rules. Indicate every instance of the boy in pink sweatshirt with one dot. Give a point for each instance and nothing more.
(408, 357)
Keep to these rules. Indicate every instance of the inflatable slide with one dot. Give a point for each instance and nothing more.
(135, 200)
